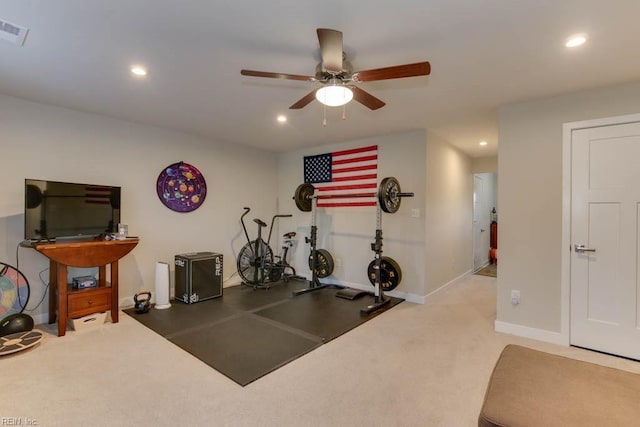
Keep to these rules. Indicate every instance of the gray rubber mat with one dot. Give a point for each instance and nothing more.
(245, 348)
(248, 332)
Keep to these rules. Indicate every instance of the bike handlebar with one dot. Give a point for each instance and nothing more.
(246, 211)
(272, 221)
(260, 222)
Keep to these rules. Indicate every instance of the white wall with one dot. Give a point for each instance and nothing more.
(348, 232)
(485, 164)
(432, 249)
(45, 142)
(530, 197)
(449, 214)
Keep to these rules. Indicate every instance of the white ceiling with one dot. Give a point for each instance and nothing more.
(483, 54)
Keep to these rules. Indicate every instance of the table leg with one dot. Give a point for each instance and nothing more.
(53, 290)
(114, 292)
(62, 299)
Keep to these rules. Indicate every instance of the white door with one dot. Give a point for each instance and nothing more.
(605, 220)
(480, 252)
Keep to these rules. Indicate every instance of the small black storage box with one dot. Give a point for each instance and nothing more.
(198, 276)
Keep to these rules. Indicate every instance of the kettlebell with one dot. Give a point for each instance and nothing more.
(142, 302)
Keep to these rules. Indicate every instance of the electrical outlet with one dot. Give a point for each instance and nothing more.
(415, 213)
(515, 297)
(337, 262)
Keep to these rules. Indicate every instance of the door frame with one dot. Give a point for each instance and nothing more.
(477, 223)
(565, 257)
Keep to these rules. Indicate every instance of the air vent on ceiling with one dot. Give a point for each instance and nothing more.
(13, 33)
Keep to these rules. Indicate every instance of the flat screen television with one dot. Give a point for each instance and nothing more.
(56, 210)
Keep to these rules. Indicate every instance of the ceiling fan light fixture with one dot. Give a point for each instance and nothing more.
(334, 95)
(138, 70)
(576, 40)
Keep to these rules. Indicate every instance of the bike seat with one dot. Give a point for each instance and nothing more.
(289, 235)
(260, 222)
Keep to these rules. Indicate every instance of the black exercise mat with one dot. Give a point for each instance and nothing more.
(322, 314)
(245, 348)
(249, 299)
(248, 332)
(182, 317)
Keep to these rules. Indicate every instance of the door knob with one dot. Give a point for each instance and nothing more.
(581, 249)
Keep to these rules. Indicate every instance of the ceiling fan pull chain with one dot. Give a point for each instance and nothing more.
(324, 115)
(344, 112)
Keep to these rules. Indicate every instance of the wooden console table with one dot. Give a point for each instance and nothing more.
(74, 303)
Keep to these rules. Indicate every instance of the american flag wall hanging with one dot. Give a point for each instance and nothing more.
(342, 173)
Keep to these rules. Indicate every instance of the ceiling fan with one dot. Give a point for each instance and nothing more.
(337, 78)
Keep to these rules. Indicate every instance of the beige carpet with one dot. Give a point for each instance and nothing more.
(418, 365)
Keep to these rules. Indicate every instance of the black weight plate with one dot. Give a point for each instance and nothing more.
(324, 263)
(304, 196)
(388, 195)
(390, 273)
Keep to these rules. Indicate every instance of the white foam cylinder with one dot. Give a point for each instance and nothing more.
(162, 285)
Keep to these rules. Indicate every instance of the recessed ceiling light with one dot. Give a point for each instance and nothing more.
(576, 40)
(138, 71)
(483, 143)
(282, 118)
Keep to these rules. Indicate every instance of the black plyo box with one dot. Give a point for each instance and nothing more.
(198, 276)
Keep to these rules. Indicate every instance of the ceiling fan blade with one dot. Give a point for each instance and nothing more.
(366, 99)
(304, 101)
(277, 75)
(330, 49)
(396, 72)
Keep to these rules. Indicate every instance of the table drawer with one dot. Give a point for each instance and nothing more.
(88, 302)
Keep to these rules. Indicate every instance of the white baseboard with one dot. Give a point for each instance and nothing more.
(416, 299)
(449, 283)
(533, 333)
(127, 301)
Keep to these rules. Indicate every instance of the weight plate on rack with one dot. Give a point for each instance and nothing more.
(390, 273)
(304, 196)
(389, 195)
(324, 263)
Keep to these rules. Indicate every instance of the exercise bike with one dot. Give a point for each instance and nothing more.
(256, 264)
(282, 270)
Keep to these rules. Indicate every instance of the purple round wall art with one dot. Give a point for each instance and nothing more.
(181, 187)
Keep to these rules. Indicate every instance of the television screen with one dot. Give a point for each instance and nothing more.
(63, 209)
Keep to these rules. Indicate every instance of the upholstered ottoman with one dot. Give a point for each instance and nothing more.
(533, 388)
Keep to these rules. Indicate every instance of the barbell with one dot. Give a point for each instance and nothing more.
(389, 195)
